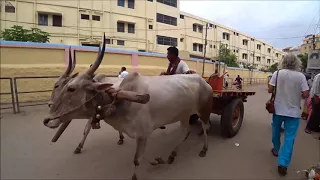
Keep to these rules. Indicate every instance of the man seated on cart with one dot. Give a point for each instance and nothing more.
(177, 66)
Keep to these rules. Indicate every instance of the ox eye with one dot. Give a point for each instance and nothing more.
(56, 86)
(71, 89)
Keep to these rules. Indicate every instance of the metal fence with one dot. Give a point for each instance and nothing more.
(16, 104)
(9, 93)
(17, 92)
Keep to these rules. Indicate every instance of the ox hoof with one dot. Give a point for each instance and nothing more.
(77, 150)
(157, 161)
(134, 177)
(170, 160)
(203, 153)
(120, 142)
(96, 126)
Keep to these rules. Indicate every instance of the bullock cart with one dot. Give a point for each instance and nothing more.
(228, 103)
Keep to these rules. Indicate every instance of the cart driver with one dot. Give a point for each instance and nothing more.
(176, 65)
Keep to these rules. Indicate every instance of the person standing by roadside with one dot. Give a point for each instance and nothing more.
(314, 117)
(123, 72)
(290, 84)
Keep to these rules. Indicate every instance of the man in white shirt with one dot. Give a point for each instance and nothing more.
(123, 72)
(314, 120)
(290, 84)
(176, 65)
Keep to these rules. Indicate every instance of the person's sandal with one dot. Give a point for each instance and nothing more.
(307, 131)
(274, 153)
(282, 170)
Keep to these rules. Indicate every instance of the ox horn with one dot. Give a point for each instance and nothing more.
(74, 61)
(69, 68)
(98, 61)
(61, 129)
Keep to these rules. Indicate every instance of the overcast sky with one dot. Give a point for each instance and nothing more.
(277, 22)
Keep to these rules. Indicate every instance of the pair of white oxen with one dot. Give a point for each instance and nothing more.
(136, 105)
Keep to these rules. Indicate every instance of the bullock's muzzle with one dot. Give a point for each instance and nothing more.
(51, 123)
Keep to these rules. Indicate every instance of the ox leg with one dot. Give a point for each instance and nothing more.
(121, 137)
(140, 149)
(205, 128)
(183, 137)
(85, 135)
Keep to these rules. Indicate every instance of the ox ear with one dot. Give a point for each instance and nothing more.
(100, 86)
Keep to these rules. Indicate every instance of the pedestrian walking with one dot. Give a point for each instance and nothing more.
(291, 86)
(314, 117)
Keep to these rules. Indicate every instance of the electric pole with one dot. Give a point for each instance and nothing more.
(205, 49)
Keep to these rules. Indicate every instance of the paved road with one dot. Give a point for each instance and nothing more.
(26, 151)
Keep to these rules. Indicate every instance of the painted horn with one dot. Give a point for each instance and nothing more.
(98, 61)
(68, 70)
(61, 129)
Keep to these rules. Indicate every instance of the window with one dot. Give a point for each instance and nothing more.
(277, 54)
(259, 46)
(258, 58)
(245, 42)
(181, 39)
(234, 50)
(211, 25)
(95, 18)
(194, 26)
(150, 0)
(121, 3)
(200, 28)
(43, 19)
(225, 36)
(195, 47)
(57, 20)
(200, 47)
(237, 34)
(120, 42)
(237, 51)
(150, 26)
(9, 8)
(120, 26)
(131, 28)
(181, 16)
(108, 41)
(131, 4)
(166, 19)
(234, 33)
(169, 41)
(214, 46)
(210, 45)
(252, 39)
(268, 61)
(269, 50)
(244, 56)
(172, 3)
(85, 16)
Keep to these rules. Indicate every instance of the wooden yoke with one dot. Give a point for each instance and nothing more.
(128, 95)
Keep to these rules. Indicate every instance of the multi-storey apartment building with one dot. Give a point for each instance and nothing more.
(144, 25)
(310, 42)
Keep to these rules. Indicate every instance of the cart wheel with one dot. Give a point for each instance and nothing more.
(232, 117)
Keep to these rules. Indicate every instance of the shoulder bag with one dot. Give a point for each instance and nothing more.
(270, 104)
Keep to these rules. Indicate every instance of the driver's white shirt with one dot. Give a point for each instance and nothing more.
(182, 68)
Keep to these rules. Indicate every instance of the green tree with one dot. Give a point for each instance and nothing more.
(228, 57)
(18, 33)
(273, 67)
(304, 61)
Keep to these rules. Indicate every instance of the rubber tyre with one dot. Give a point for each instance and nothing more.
(227, 128)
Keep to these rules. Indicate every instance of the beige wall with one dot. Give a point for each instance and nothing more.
(49, 61)
(75, 30)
